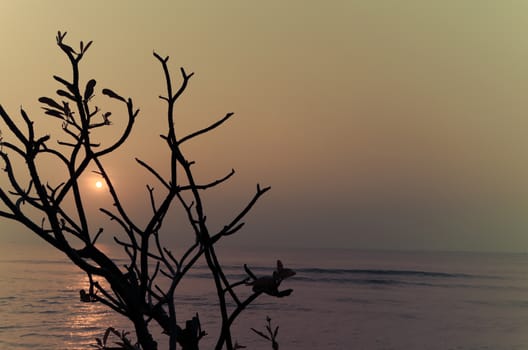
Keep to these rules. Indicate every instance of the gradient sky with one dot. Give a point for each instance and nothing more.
(378, 124)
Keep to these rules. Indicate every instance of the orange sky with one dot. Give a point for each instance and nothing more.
(378, 124)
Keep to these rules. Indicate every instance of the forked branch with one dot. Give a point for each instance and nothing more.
(144, 288)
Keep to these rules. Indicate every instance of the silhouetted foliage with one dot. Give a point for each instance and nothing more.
(134, 289)
(271, 335)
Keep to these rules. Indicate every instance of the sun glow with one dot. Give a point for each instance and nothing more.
(98, 184)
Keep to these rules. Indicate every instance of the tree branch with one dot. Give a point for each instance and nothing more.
(204, 130)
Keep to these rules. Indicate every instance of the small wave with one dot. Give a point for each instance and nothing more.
(375, 276)
(32, 261)
(326, 271)
(379, 277)
(31, 334)
(50, 301)
(380, 281)
(3, 328)
(364, 281)
(49, 312)
(416, 273)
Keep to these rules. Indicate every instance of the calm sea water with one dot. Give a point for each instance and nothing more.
(341, 300)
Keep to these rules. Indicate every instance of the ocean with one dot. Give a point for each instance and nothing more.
(342, 299)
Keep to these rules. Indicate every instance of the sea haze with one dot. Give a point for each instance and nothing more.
(342, 299)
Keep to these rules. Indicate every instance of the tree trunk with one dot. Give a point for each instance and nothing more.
(144, 337)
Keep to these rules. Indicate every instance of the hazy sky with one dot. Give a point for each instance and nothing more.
(378, 124)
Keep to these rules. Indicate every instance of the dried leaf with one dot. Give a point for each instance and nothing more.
(107, 333)
(50, 102)
(68, 85)
(88, 45)
(89, 89)
(67, 48)
(112, 94)
(260, 333)
(284, 293)
(65, 94)
(60, 36)
(54, 113)
(43, 139)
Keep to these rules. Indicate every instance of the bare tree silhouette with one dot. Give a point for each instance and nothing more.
(135, 289)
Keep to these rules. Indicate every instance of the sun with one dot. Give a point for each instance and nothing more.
(98, 184)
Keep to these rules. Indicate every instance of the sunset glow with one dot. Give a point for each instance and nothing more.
(424, 131)
(195, 174)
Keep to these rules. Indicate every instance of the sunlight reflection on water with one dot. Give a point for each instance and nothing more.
(87, 317)
(87, 321)
(378, 301)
